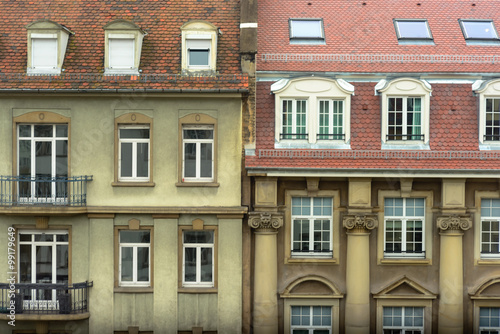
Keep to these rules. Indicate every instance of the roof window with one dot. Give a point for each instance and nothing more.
(478, 30)
(306, 31)
(412, 29)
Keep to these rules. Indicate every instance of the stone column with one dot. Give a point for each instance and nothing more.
(265, 303)
(451, 273)
(357, 311)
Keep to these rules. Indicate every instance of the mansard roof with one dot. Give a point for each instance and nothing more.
(83, 66)
(360, 37)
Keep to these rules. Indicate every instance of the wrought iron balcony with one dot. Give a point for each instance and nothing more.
(26, 190)
(41, 298)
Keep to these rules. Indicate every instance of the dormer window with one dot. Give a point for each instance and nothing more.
(479, 30)
(47, 43)
(199, 46)
(488, 93)
(123, 43)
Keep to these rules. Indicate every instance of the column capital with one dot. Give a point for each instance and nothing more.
(454, 223)
(360, 223)
(265, 221)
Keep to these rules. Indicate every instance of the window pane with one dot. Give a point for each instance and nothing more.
(62, 263)
(44, 264)
(198, 57)
(190, 160)
(142, 159)
(479, 29)
(126, 160)
(306, 29)
(206, 159)
(24, 130)
(44, 51)
(142, 264)
(121, 53)
(198, 134)
(134, 133)
(43, 130)
(206, 264)
(127, 264)
(128, 236)
(25, 262)
(413, 29)
(190, 264)
(198, 237)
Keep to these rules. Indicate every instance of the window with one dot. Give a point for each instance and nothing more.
(123, 44)
(404, 221)
(306, 31)
(403, 320)
(311, 319)
(133, 150)
(492, 118)
(134, 153)
(489, 113)
(198, 153)
(405, 113)
(134, 255)
(198, 258)
(294, 119)
(490, 228)
(412, 29)
(478, 30)
(312, 226)
(199, 46)
(43, 259)
(312, 113)
(42, 159)
(404, 118)
(489, 320)
(47, 43)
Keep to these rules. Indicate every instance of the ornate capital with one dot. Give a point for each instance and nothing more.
(360, 222)
(454, 223)
(265, 221)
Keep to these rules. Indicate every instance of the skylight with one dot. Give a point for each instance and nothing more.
(306, 30)
(479, 29)
(412, 29)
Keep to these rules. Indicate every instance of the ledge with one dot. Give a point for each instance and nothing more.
(197, 184)
(197, 290)
(47, 317)
(132, 289)
(488, 262)
(421, 262)
(132, 184)
(314, 261)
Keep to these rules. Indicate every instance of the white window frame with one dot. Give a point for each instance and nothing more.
(198, 247)
(122, 30)
(404, 88)
(134, 142)
(311, 218)
(404, 219)
(313, 90)
(34, 302)
(294, 135)
(198, 142)
(331, 117)
(486, 90)
(36, 56)
(311, 328)
(134, 247)
(113, 39)
(196, 32)
(404, 135)
(198, 42)
(489, 218)
(488, 329)
(404, 327)
(53, 161)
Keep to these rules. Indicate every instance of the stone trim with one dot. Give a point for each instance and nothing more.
(265, 221)
(454, 223)
(360, 223)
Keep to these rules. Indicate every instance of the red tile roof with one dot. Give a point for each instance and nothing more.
(360, 36)
(453, 136)
(84, 60)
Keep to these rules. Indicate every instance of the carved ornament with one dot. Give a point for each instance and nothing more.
(454, 223)
(265, 221)
(360, 222)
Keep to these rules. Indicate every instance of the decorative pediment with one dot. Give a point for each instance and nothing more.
(488, 290)
(311, 287)
(405, 288)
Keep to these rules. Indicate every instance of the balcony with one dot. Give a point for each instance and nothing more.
(40, 301)
(28, 191)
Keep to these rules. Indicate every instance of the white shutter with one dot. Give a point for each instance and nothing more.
(44, 52)
(121, 53)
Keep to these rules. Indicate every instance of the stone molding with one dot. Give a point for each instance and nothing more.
(454, 223)
(360, 223)
(265, 221)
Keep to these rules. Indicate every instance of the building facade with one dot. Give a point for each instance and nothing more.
(120, 194)
(374, 169)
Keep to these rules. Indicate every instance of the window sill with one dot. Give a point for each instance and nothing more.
(133, 289)
(197, 184)
(405, 261)
(121, 72)
(312, 260)
(490, 146)
(196, 290)
(45, 71)
(405, 145)
(490, 261)
(132, 184)
(302, 143)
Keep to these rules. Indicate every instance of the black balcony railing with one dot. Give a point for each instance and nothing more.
(40, 298)
(25, 190)
(294, 136)
(405, 137)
